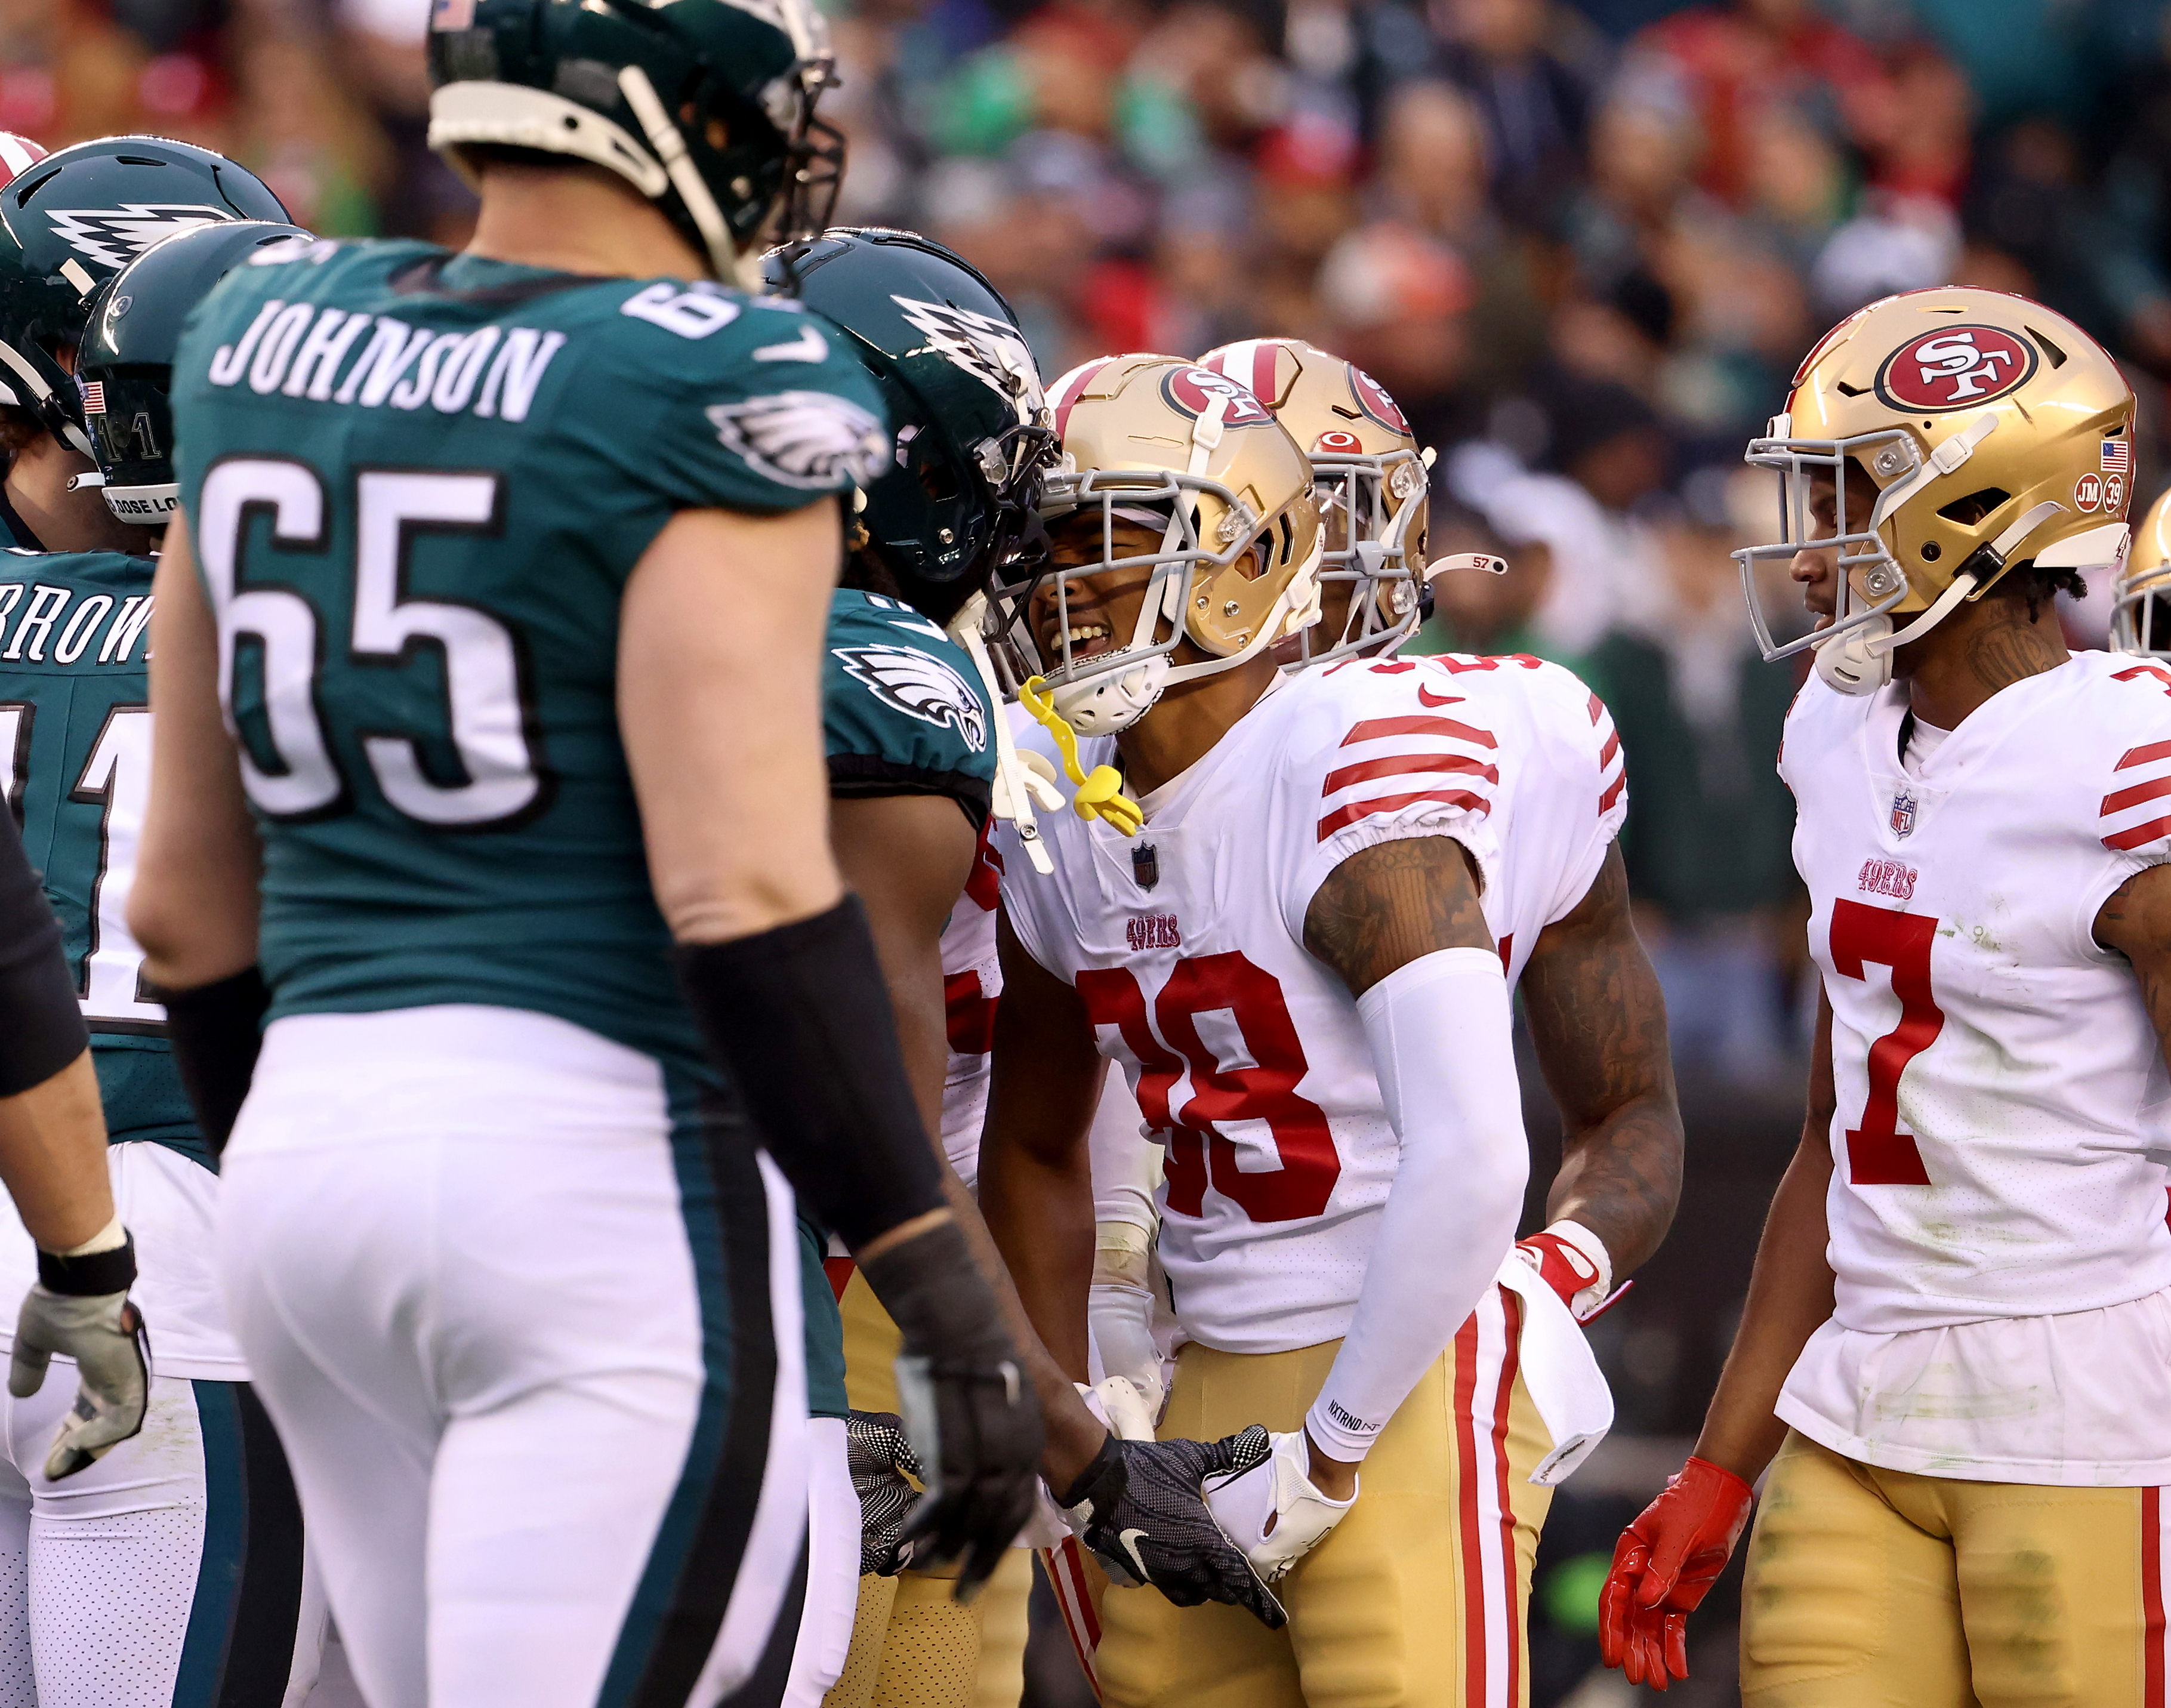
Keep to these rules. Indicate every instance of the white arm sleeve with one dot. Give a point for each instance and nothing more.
(1442, 1043)
(1126, 1163)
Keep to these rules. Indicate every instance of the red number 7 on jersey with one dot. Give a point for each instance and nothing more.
(1877, 1153)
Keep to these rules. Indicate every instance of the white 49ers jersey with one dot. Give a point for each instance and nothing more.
(1186, 943)
(971, 981)
(2000, 1137)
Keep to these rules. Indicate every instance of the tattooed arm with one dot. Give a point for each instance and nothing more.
(1383, 907)
(1599, 1021)
(2136, 922)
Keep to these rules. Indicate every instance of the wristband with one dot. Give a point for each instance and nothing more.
(216, 1031)
(97, 1273)
(799, 1019)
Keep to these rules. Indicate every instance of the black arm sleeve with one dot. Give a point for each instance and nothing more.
(799, 1018)
(41, 1028)
(216, 1031)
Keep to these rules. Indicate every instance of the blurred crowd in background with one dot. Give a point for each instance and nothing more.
(1584, 241)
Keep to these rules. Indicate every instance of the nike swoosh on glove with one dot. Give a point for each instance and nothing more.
(883, 1464)
(1141, 1507)
(1273, 1510)
(105, 1333)
(1664, 1566)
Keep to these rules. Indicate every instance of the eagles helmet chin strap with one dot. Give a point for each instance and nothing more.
(45, 406)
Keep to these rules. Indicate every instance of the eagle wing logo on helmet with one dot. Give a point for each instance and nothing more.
(919, 685)
(113, 237)
(804, 439)
(993, 351)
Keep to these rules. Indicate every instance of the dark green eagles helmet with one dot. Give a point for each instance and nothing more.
(125, 362)
(706, 107)
(972, 435)
(74, 219)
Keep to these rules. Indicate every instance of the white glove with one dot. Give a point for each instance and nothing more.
(104, 1333)
(1121, 1317)
(1273, 1512)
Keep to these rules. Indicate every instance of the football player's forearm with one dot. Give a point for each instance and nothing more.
(1598, 1021)
(52, 1157)
(1790, 1297)
(1040, 1214)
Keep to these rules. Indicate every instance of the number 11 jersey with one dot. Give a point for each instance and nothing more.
(1996, 1211)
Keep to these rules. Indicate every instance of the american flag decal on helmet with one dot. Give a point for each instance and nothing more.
(93, 397)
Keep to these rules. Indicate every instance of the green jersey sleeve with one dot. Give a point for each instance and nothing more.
(901, 707)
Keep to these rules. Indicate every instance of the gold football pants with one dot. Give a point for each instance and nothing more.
(1417, 1600)
(1874, 1589)
(912, 1645)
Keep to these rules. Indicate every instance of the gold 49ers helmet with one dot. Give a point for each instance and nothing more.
(1995, 431)
(1165, 444)
(1369, 481)
(2141, 618)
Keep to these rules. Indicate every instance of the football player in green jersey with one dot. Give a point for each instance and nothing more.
(170, 1573)
(913, 738)
(498, 693)
(68, 221)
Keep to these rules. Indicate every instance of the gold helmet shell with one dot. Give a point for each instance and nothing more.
(1163, 441)
(1369, 479)
(2141, 614)
(1994, 430)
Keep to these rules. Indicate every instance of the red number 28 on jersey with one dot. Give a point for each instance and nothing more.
(1877, 1153)
(1198, 1150)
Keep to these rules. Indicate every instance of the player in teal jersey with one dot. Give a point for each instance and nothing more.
(171, 1571)
(513, 569)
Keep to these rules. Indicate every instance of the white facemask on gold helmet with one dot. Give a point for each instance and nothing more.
(1369, 480)
(1995, 431)
(1162, 442)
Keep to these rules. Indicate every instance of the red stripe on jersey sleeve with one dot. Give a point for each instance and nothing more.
(1367, 770)
(2141, 756)
(1612, 747)
(1597, 709)
(1379, 729)
(1342, 815)
(2154, 788)
(1612, 793)
(2140, 833)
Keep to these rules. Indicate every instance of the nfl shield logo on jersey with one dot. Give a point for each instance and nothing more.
(1903, 814)
(1145, 865)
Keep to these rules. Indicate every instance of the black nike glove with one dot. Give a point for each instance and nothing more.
(1140, 1507)
(967, 1403)
(882, 1462)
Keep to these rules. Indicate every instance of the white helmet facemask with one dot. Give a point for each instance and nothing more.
(1375, 501)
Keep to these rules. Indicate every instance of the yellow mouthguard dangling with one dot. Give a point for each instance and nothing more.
(1100, 796)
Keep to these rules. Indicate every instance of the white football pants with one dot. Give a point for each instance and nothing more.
(168, 1575)
(530, 1332)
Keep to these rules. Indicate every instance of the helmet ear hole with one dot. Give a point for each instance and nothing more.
(1972, 509)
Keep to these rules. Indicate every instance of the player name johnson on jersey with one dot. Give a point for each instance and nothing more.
(2002, 1123)
(418, 484)
(1187, 944)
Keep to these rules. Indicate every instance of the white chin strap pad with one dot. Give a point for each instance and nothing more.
(1112, 702)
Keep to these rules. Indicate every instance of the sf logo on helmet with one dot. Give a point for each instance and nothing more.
(1954, 367)
(1193, 389)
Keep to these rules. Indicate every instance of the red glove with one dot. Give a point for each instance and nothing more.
(1663, 1566)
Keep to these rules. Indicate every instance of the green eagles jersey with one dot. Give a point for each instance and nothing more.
(417, 484)
(75, 758)
(902, 709)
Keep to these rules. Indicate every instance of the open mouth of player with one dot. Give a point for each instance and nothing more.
(1090, 630)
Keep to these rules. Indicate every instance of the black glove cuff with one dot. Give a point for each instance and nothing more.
(935, 1294)
(88, 1277)
(799, 1019)
(1101, 1482)
(216, 1031)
